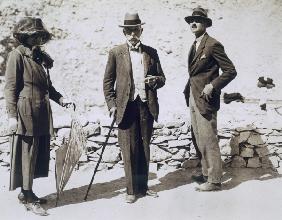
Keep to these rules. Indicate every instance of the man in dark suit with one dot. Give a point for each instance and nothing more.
(202, 94)
(133, 75)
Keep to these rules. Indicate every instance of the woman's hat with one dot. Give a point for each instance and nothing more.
(199, 13)
(30, 25)
(131, 20)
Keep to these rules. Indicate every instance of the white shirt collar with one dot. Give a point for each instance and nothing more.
(136, 47)
(198, 39)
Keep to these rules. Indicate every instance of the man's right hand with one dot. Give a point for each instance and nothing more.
(13, 124)
(113, 112)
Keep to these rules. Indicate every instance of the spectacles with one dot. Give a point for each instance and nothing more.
(129, 30)
(196, 20)
(43, 36)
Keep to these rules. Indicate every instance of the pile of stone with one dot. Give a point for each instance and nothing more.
(171, 145)
(250, 147)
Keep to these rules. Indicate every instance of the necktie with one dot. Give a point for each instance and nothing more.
(192, 53)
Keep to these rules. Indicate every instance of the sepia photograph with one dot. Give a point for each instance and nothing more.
(144, 110)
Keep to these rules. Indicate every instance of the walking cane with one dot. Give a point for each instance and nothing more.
(100, 158)
(12, 136)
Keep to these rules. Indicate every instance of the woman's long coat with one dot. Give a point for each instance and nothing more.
(27, 92)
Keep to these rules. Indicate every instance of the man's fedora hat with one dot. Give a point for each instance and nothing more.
(131, 20)
(199, 13)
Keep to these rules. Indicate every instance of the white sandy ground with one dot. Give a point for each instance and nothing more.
(247, 194)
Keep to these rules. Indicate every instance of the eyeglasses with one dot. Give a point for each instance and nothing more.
(196, 20)
(43, 36)
(129, 30)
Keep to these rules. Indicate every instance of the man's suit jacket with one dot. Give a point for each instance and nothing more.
(117, 82)
(204, 69)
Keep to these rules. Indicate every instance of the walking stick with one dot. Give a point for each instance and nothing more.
(12, 136)
(100, 158)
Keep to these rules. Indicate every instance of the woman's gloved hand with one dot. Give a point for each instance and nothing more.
(13, 124)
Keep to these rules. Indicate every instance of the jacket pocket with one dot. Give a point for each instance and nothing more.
(25, 106)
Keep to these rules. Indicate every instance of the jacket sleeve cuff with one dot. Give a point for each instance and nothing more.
(60, 101)
(11, 113)
(111, 103)
(215, 87)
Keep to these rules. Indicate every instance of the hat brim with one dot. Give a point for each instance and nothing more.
(30, 32)
(189, 19)
(19, 35)
(131, 25)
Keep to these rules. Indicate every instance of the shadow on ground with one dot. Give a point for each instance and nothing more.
(232, 177)
(104, 190)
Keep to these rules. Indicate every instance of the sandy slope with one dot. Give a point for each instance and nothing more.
(86, 30)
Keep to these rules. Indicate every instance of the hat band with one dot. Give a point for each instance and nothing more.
(198, 13)
(132, 22)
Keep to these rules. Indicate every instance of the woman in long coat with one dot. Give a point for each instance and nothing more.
(27, 92)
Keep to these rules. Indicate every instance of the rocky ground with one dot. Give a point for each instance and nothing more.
(84, 31)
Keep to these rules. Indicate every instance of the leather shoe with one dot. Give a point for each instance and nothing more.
(36, 208)
(199, 178)
(205, 187)
(23, 199)
(130, 198)
(152, 193)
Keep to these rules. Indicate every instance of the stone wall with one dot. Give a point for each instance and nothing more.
(171, 145)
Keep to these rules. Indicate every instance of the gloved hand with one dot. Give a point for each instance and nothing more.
(113, 112)
(207, 92)
(151, 81)
(13, 124)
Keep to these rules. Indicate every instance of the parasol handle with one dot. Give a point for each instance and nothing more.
(100, 158)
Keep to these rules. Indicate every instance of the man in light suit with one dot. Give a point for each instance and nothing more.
(202, 94)
(133, 75)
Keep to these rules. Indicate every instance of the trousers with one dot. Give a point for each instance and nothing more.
(205, 131)
(134, 135)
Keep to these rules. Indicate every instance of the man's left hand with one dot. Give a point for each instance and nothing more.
(151, 81)
(207, 92)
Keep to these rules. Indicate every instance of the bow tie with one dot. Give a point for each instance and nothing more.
(134, 48)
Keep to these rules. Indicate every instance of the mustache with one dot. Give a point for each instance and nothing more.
(194, 25)
(133, 37)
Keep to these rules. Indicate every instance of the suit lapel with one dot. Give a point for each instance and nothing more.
(200, 48)
(126, 59)
(189, 56)
(146, 59)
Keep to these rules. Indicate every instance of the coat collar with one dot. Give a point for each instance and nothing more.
(192, 66)
(24, 50)
(126, 56)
